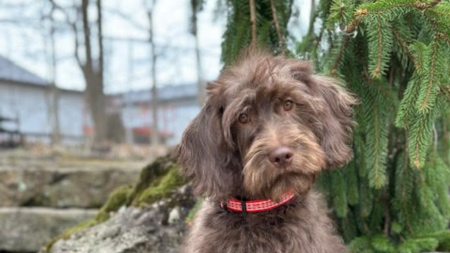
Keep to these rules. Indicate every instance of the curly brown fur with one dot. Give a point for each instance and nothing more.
(227, 154)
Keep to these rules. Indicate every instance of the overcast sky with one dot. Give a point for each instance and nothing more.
(127, 63)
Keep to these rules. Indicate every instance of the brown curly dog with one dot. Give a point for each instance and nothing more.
(268, 127)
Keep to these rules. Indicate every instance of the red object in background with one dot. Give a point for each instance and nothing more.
(88, 130)
(146, 131)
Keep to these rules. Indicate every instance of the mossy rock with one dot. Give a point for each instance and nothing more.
(116, 199)
(157, 181)
(161, 188)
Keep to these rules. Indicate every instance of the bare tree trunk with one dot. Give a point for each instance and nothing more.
(200, 82)
(312, 17)
(128, 101)
(96, 102)
(56, 136)
(154, 136)
(94, 74)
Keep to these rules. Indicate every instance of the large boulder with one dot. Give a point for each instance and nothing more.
(147, 217)
(27, 229)
(130, 230)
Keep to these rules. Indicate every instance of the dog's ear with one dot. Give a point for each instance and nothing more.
(203, 153)
(333, 109)
(336, 117)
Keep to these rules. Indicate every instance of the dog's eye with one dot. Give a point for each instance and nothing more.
(244, 118)
(288, 105)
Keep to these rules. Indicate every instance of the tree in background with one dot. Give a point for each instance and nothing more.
(394, 55)
(48, 30)
(257, 22)
(196, 7)
(91, 65)
(154, 134)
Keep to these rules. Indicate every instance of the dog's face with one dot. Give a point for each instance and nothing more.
(268, 127)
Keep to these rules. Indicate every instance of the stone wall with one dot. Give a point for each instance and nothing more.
(42, 197)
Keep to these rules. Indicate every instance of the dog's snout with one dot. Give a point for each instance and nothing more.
(281, 157)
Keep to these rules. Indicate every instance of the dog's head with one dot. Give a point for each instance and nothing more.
(268, 126)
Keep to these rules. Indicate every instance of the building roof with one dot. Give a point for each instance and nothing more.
(9, 71)
(165, 93)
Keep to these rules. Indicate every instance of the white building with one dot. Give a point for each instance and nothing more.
(177, 107)
(26, 97)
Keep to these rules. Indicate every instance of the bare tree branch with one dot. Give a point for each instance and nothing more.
(86, 34)
(154, 135)
(93, 74)
(74, 28)
(100, 38)
(277, 26)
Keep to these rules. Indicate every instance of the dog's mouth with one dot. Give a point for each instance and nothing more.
(296, 182)
(268, 181)
(266, 176)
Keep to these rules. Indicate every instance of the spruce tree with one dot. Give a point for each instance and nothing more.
(394, 55)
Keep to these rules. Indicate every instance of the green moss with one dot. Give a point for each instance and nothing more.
(150, 176)
(117, 198)
(163, 189)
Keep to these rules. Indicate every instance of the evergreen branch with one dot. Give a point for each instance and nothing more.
(380, 49)
(351, 27)
(445, 89)
(429, 5)
(387, 215)
(380, 45)
(339, 196)
(406, 108)
(427, 96)
(404, 185)
(417, 146)
(439, 33)
(404, 46)
(391, 7)
(377, 145)
(430, 81)
(438, 12)
(363, 11)
(365, 71)
(446, 137)
(339, 56)
(375, 112)
(253, 22)
(407, 3)
(420, 136)
(443, 36)
(436, 137)
(277, 26)
(405, 43)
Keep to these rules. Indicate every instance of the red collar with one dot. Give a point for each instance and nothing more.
(254, 206)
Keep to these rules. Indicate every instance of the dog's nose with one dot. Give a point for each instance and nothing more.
(281, 157)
